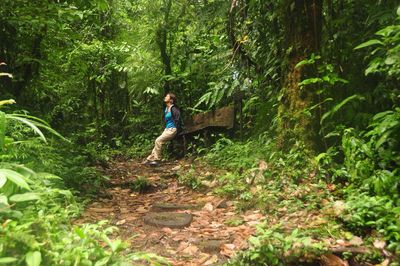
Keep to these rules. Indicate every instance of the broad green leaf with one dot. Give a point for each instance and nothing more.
(3, 199)
(368, 43)
(339, 106)
(386, 32)
(4, 102)
(23, 170)
(33, 119)
(16, 178)
(39, 123)
(3, 124)
(46, 175)
(30, 124)
(6, 260)
(398, 11)
(79, 232)
(3, 179)
(391, 60)
(102, 262)
(24, 197)
(2, 74)
(116, 245)
(33, 258)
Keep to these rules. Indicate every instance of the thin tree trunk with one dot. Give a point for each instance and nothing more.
(162, 41)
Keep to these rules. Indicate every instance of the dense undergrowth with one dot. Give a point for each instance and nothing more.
(319, 117)
(38, 202)
(357, 177)
(362, 172)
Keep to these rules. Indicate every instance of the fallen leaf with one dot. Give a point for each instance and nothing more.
(253, 217)
(208, 207)
(212, 260)
(221, 204)
(121, 222)
(141, 210)
(176, 168)
(191, 250)
(182, 246)
(203, 258)
(262, 165)
(356, 241)
(338, 207)
(228, 250)
(167, 230)
(100, 209)
(380, 244)
(332, 260)
(342, 242)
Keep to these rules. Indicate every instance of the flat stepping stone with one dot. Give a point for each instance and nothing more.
(168, 219)
(166, 206)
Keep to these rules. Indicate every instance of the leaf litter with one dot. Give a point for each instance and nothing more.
(126, 208)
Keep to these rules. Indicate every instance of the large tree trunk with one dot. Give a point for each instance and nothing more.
(303, 35)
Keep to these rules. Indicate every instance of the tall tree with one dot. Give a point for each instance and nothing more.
(303, 25)
(162, 41)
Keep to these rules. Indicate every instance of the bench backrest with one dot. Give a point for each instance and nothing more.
(223, 117)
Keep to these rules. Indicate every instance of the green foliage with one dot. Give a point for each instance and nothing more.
(190, 178)
(379, 212)
(140, 184)
(37, 208)
(272, 246)
(372, 159)
(96, 70)
(338, 106)
(386, 58)
(371, 169)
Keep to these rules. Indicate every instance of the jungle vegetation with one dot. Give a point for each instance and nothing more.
(315, 84)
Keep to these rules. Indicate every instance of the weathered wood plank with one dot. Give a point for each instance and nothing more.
(223, 117)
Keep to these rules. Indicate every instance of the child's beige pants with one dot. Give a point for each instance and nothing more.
(168, 134)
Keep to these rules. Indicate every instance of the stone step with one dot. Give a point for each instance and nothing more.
(168, 219)
(167, 206)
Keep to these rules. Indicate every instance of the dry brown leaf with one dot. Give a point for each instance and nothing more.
(167, 230)
(380, 244)
(212, 260)
(228, 250)
(182, 246)
(342, 242)
(208, 207)
(356, 241)
(253, 217)
(191, 250)
(253, 223)
(332, 260)
(121, 222)
(108, 210)
(262, 165)
(203, 257)
(141, 210)
(338, 207)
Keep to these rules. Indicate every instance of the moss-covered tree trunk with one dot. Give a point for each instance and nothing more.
(303, 33)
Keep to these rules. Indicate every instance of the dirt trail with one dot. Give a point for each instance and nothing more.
(216, 232)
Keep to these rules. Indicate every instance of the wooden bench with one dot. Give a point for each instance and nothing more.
(222, 118)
